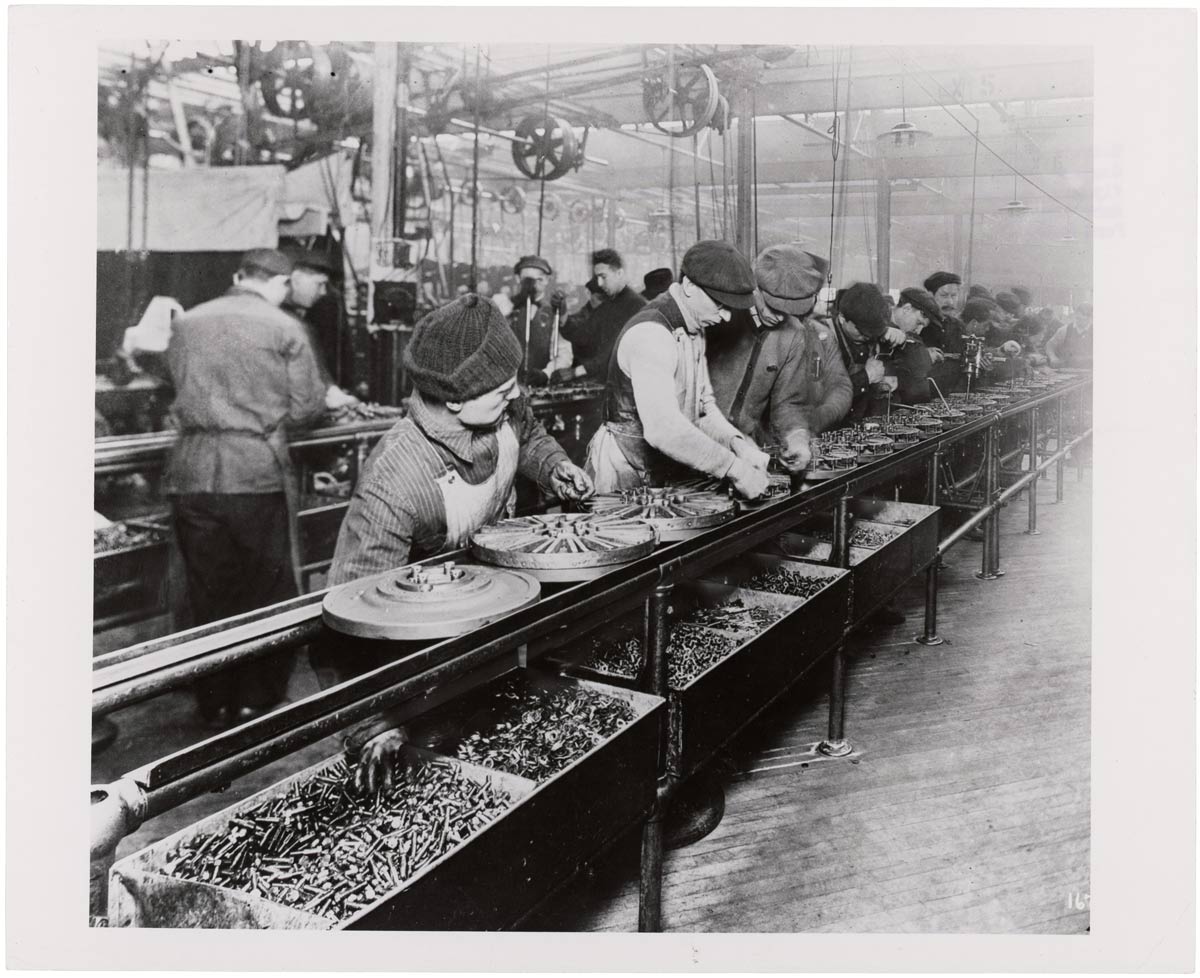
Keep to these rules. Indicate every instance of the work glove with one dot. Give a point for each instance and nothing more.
(558, 302)
(797, 452)
(747, 451)
(749, 480)
(378, 761)
(537, 378)
(874, 368)
(571, 482)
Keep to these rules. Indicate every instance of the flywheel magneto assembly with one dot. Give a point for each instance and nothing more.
(427, 601)
(563, 547)
(676, 512)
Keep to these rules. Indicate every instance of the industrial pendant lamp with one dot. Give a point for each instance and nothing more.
(1015, 207)
(903, 134)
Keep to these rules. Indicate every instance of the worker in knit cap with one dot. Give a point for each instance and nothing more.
(771, 375)
(440, 474)
(448, 467)
(662, 424)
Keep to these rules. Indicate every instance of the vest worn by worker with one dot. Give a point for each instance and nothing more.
(541, 332)
(620, 407)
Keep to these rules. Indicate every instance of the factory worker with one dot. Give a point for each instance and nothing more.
(912, 361)
(533, 319)
(661, 420)
(244, 373)
(766, 366)
(1071, 345)
(865, 337)
(448, 468)
(309, 284)
(946, 333)
(594, 329)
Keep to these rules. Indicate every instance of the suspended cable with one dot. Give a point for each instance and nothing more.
(696, 183)
(835, 145)
(1016, 172)
(754, 167)
(971, 226)
(671, 157)
(474, 183)
(541, 159)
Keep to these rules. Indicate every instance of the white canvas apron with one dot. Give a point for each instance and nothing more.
(470, 507)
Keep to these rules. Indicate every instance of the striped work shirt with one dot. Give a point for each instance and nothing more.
(397, 513)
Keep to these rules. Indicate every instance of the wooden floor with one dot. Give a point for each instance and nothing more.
(964, 808)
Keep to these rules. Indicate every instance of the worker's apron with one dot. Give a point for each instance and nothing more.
(470, 507)
(619, 457)
(278, 443)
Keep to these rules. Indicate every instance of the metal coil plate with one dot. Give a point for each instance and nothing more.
(675, 512)
(562, 546)
(427, 601)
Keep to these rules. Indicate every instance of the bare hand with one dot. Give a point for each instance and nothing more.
(798, 451)
(874, 369)
(379, 760)
(746, 450)
(571, 482)
(936, 355)
(747, 479)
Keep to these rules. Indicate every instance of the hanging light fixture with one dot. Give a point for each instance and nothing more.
(903, 134)
(1015, 207)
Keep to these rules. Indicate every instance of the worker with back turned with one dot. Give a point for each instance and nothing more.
(661, 420)
(244, 373)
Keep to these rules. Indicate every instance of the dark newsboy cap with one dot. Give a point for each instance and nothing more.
(317, 261)
(864, 305)
(939, 279)
(789, 278)
(532, 261)
(722, 271)
(922, 300)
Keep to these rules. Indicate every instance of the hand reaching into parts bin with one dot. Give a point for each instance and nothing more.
(378, 760)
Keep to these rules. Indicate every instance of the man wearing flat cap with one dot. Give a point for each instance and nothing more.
(866, 338)
(771, 375)
(308, 287)
(244, 374)
(440, 474)
(661, 420)
(536, 320)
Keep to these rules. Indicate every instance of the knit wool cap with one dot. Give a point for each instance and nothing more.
(1023, 294)
(978, 291)
(789, 278)
(920, 299)
(863, 304)
(464, 349)
(266, 260)
(722, 271)
(938, 279)
(1008, 302)
(532, 261)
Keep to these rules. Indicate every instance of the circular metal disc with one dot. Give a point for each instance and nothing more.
(563, 546)
(676, 512)
(427, 601)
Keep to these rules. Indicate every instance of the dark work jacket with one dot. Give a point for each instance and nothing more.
(946, 336)
(592, 333)
(314, 340)
(910, 364)
(541, 328)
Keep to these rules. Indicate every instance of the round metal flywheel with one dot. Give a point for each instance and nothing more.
(693, 103)
(563, 546)
(676, 512)
(545, 147)
(427, 601)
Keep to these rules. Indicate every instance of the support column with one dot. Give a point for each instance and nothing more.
(745, 229)
(654, 680)
(883, 232)
(835, 744)
(930, 636)
(383, 137)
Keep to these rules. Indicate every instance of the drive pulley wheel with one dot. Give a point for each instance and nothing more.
(545, 147)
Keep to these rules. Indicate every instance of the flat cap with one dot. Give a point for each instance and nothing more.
(789, 278)
(722, 271)
(318, 261)
(979, 309)
(939, 279)
(532, 261)
(266, 260)
(979, 290)
(1023, 294)
(920, 299)
(1008, 302)
(863, 304)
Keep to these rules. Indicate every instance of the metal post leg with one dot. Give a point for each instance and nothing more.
(1033, 462)
(1060, 465)
(986, 572)
(835, 744)
(931, 573)
(995, 494)
(654, 680)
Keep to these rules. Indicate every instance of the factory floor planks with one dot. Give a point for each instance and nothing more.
(965, 807)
